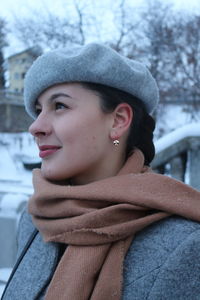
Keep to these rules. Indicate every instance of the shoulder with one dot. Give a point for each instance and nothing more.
(25, 229)
(164, 255)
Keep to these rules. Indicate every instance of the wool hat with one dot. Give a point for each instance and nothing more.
(95, 63)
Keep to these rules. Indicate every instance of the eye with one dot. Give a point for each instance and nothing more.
(38, 110)
(59, 105)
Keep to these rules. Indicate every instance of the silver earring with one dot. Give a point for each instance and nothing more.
(116, 142)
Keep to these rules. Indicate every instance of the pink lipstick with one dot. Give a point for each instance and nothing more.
(47, 150)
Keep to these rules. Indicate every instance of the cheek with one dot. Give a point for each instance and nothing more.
(84, 144)
(85, 134)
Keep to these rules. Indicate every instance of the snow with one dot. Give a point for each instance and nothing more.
(2, 286)
(7, 166)
(190, 130)
(16, 148)
(172, 116)
(16, 181)
(14, 188)
(12, 202)
(19, 144)
(4, 275)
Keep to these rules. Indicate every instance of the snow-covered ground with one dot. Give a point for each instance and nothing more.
(14, 149)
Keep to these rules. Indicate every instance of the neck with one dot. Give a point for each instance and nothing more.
(107, 169)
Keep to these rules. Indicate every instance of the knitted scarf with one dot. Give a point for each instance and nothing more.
(99, 220)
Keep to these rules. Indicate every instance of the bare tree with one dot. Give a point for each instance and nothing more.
(154, 34)
(51, 31)
(86, 20)
(173, 51)
(156, 26)
(186, 52)
(127, 40)
(3, 44)
(48, 32)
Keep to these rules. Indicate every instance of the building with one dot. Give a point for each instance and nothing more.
(12, 111)
(18, 64)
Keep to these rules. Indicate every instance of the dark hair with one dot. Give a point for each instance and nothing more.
(142, 126)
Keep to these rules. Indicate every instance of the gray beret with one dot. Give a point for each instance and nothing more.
(95, 63)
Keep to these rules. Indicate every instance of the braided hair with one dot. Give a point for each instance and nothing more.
(142, 127)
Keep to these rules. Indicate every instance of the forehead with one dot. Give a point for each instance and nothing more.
(72, 91)
(55, 89)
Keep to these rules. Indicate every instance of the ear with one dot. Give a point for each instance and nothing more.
(122, 118)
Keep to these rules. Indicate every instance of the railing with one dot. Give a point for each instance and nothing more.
(178, 155)
(7, 96)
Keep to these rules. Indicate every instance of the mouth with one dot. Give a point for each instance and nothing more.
(47, 150)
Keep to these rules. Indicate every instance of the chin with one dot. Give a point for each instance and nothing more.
(53, 175)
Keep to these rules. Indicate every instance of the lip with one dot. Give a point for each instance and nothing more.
(46, 150)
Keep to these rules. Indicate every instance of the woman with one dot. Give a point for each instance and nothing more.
(107, 227)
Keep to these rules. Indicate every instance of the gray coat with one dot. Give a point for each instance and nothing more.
(163, 262)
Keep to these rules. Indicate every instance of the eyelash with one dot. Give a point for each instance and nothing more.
(57, 104)
(38, 111)
(57, 107)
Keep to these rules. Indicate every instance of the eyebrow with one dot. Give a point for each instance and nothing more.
(54, 96)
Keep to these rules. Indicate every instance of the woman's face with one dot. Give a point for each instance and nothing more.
(72, 133)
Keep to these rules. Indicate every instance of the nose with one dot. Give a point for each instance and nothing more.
(41, 126)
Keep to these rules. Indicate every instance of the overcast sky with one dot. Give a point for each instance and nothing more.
(23, 8)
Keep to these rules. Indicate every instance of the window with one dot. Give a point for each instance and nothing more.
(16, 76)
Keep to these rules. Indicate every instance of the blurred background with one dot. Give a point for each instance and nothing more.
(162, 34)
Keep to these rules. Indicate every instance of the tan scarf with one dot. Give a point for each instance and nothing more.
(99, 220)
